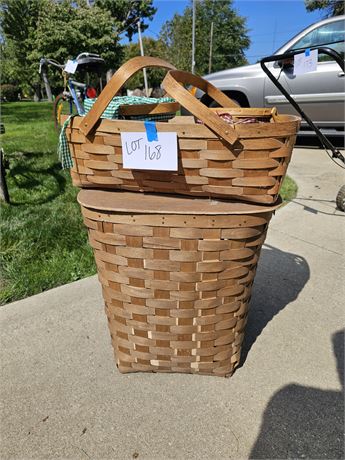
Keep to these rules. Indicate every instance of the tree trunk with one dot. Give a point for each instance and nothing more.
(37, 94)
(110, 73)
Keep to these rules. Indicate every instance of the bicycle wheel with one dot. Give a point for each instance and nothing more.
(58, 109)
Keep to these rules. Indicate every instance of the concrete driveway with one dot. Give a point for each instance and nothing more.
(64, 399)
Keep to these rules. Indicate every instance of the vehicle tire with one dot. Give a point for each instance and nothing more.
(239, 98)
(340, 200)
(57, 111)
(214, 104)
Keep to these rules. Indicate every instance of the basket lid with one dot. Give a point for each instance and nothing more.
(142, 203)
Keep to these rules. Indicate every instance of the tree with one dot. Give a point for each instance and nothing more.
(66, 29)
(62, 29)
(18, 23)
(127, 13)
(230, 37)
(9, 64)
(331, 7)
(154, 48)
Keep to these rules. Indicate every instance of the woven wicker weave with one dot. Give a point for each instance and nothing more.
(207, 167)
(176, 276)
(246, 162)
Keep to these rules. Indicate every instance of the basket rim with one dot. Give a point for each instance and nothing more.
(143, 203)
(283, 125)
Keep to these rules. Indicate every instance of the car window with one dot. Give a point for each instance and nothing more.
(325, 34)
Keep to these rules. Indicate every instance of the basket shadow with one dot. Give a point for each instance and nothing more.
(26, 176)
(304, 422)
(280, 278)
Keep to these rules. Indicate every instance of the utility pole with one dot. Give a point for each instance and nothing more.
(193, 37)
(211, 44)
(274, 36)
(142, 53)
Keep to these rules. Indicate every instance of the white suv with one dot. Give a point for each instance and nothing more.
(321, 93)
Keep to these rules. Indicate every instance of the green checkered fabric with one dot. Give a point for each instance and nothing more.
(111, 112)
(63, 149)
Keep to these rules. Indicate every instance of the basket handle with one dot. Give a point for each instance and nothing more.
(117, 81)
(172, 85)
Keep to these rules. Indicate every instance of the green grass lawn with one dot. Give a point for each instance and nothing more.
(288, 190)
(43, 240)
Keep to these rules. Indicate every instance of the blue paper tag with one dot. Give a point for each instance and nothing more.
(307, 52)
(151, 131)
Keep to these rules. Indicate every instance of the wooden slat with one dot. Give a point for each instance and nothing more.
(255, 164)
(97, 149)
(210, 267)
(104, 165)
(221, 173)
(236, 254)
(160, 243)
(139, 273)
(107, 238)
(104, 180)
(192, 144)
(217, 155)
(254, 181)
(112, 140)
(84, 170)
(223, 190)
(193, 164)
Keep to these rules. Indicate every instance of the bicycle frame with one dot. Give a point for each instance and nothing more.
(71, 84)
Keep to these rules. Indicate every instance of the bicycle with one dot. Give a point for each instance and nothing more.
(74, 92)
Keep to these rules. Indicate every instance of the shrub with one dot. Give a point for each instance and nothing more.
(9, 92)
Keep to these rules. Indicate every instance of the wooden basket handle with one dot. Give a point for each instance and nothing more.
(172, 85)
(117, 81)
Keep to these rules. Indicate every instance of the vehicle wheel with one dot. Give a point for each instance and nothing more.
(58, 109)
(340, 200)
(239, 99)
(215, 104)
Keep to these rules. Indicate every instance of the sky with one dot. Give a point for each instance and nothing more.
(271, 23)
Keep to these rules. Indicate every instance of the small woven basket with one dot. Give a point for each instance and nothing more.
(176, 275)
(215, 159)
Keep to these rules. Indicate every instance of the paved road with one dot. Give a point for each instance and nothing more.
(64, 399)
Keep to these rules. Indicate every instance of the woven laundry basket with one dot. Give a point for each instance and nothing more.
(215, 159)
(176, 275)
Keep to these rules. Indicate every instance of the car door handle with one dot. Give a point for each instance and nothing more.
(341, 74)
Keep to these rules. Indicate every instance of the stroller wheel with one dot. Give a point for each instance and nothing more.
(340, 200)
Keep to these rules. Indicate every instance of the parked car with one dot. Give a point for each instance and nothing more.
(320, 93)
